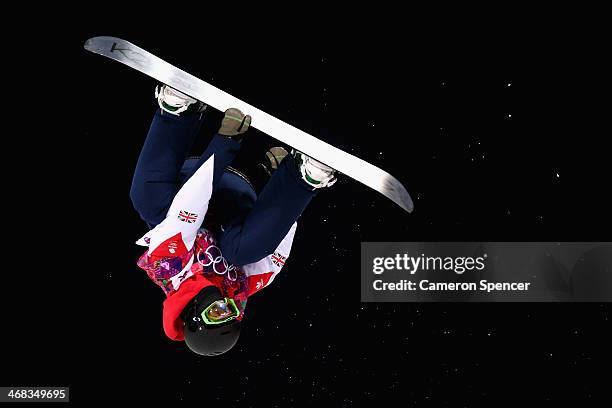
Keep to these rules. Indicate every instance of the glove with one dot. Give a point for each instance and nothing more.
(234, 123)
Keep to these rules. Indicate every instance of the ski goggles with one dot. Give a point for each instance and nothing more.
(220, 311)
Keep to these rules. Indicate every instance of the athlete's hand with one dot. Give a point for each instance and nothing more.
(234, 123)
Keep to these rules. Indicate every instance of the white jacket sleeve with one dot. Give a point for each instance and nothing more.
(186, 212)
(263, 272)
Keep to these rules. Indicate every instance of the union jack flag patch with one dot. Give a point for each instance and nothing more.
(278, 259)
(187, 217)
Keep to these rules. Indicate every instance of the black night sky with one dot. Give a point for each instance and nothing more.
(495, 138)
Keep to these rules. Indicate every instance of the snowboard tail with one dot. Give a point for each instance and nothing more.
(347, 164)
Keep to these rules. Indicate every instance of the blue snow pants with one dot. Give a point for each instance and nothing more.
(258, 223)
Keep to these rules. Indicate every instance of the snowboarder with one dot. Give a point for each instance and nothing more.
(208, 269)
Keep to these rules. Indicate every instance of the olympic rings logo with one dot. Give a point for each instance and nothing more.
(213, 257)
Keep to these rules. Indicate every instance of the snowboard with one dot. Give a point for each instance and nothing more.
(345, 163)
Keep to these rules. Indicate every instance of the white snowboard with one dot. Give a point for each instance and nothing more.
(354, 167)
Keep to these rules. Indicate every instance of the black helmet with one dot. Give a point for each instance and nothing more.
(208, 340)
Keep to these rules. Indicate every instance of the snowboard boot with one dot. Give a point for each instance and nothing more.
(174, 102)
(234, 124)
(314, 173)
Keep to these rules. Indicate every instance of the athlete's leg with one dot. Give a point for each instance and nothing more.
(156, 177)
(279, 205)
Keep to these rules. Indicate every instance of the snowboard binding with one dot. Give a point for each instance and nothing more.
(314, 173)
(174, 102)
